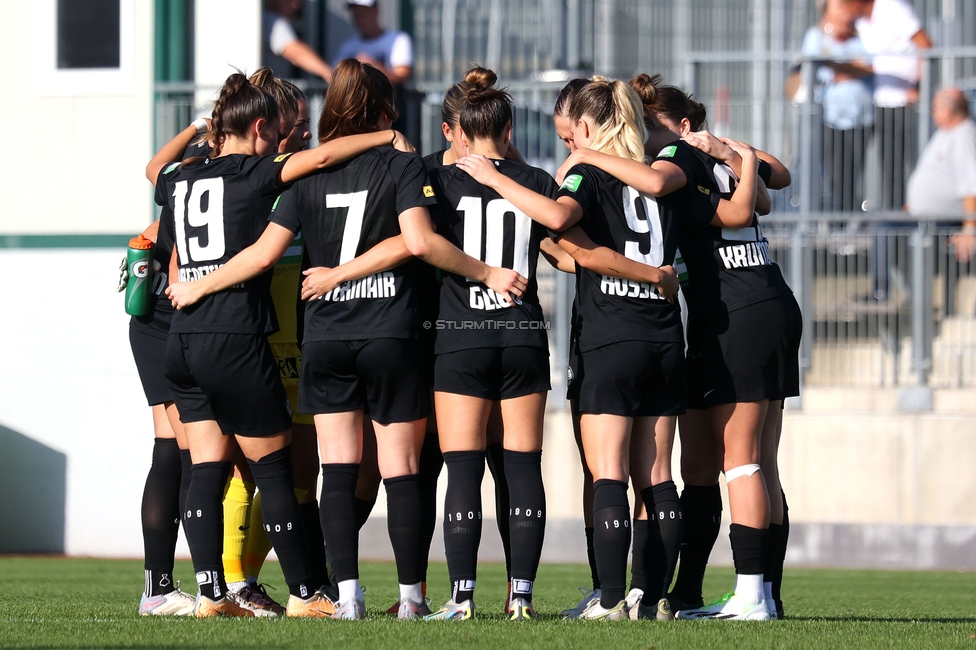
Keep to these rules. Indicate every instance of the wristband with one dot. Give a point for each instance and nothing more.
(200, 124)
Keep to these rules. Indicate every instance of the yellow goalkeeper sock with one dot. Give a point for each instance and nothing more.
(237, 514)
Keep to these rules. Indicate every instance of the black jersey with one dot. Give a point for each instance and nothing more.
(728, 268)
(476, 219)
(343, 211)
(220, 207)
(624, 220)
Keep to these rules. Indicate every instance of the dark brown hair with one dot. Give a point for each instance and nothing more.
(486, 110)
(454, 97)
(668, 101)
(566, 96)
(358, 97)
(287, 104)
(240, 103)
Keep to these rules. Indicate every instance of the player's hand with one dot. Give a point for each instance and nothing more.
(319, 281)
(183, 294)
(743, 150)
(571, 161)
(123, 274)
(667, 285)
(506, 282)
(965, 245)
(400, 143)
(715, 147)
(479, 168)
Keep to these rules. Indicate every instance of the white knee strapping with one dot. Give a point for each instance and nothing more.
(740, 471)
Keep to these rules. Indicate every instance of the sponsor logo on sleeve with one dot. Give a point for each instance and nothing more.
(704, 190)
(275, 206)
(668, 152)
(281, 157)
(572, 182)
(428, 191)
(172, 167)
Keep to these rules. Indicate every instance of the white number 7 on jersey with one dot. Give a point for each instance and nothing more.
(352, 231)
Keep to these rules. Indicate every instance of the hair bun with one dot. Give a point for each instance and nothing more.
(646, 87)
(480, 78)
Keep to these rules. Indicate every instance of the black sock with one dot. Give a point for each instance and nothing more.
(495, 454)
(364, 507)
(784, 538)
(640, 551)
(431, 461)
(462, 520)
(611, 538)
(773, 536)
(337, 509)
(404, 516)
(161, 516)
(527, 518)
(748, 548)
(203, 522)
(669, 523)
(274, 477)
(701, 508)
(591, 558)
(187, 472)
(318, 571)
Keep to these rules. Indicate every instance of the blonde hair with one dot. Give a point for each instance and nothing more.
(617, 115)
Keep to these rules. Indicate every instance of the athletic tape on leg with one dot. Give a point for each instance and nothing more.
(740, 471)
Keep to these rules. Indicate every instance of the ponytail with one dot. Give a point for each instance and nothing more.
(287, 104)
(668, 101)
(240, 103)
(615, 110)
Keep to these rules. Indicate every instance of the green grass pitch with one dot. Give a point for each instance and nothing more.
(81, 603)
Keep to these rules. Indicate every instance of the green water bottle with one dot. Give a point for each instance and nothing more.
(138, 290)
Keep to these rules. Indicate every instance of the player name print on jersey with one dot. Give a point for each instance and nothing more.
(744, 255)
(378, 285)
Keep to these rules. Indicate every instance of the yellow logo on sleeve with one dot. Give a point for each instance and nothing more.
(281, 157)
(428, 191)
(704, 190)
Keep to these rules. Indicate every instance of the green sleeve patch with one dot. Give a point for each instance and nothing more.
(172, 167)
(572, 182)
(668, 152)
(275, 206)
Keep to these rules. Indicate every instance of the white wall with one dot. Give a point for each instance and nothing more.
(227, 34)
(75, 149)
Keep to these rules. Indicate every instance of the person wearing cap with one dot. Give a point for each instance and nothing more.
(281, 49)
(389, 51)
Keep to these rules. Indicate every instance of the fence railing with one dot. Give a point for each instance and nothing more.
(889, 299)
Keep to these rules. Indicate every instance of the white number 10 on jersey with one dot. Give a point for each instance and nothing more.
(491, 222)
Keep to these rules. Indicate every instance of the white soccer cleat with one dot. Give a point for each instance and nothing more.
(452, 611)
(728, 608)
(410, 610)
(589, 595)
(633, 600)
(353, 609)
(175, 603)
(597, 612)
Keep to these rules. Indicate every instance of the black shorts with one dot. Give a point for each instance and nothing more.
(230, 378)
(574, 373)
(755, 357)
(388, 378)
(634, 379)
(493, 373)
(149, 353)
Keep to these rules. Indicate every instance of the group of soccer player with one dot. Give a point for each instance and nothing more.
(379, 311)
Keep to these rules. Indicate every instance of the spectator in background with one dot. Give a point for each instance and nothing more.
(844, 89)
(281, 49)
(892, 33)
(389, 51)
(943, 184)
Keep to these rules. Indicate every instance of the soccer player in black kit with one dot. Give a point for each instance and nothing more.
(218, 362)
(490, 348)
(740, 376)
(630, 333)
(359, 349)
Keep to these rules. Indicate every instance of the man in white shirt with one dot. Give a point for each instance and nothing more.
(389, 51)
(281, 49)
(892, 33)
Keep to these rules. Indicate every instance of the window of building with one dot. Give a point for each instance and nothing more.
(88, 34)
